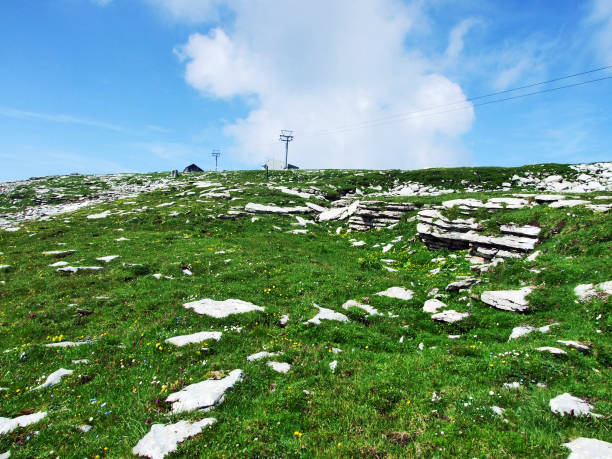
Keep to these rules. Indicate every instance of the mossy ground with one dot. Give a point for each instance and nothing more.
(378, 403)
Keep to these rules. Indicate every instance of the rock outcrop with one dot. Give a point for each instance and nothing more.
(378, 214)
(439, 232)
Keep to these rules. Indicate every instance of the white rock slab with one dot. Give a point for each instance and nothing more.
(399, 293)
(523, 330)
(9, 424)
(366, 307)
(263, 209)
(58, 253)
(497, 410)
(461, 284)
(358, 243)
(54, 378)
(552, 350)
(283, 320)
(450, 316)
(104, 214)
(567, 203)
(203, 395)
(575, 345)
(432, 306)
(75, 269)
(260, 355)
(5, 267)
(568, 404)
(585, 291)
(333, 365)
(5, 455)
(280, 367)
(326, 314)
(67, 344)
(57, 264)
(108, 258)
(220, 309)
(589, 448)
(164, 439)
(183, 340)
(508, 300)
(386, 248)
(534, 255)
(512, 385)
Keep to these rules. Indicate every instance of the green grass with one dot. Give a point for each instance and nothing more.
(378, 403)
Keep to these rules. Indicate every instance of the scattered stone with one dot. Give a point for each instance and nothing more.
(283, 320)
(333, 365)
(568, 404)
(9, 424)
(575, 345)
(5, 455)
(497, 410)
(534, 255)
(67, 344)
(187, 272)
(263, 209)
(279, 367)
(108, 258)
(121, 239)
(6, 267)
(54, 378)
(355, 304)
(585, 291)
(552, 350)
(450, 316)
(326, 314)
(220, 309)
(523, 330)
(432, 306)
(508, 300)
(260, 355)
(568, 203)
(164, 439)
(461, 284)
(183, 340)
(104, 214)
(512, 385)
(399, 293)
(386, 248)
(589, 448)
(338, 213)
(85, 428)
(203, 395)
(58, 264)
(75, 269)
(80, 361)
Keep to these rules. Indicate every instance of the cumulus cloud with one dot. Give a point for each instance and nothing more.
(318, 65)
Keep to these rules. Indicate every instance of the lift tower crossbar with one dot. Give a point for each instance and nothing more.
(216, 154)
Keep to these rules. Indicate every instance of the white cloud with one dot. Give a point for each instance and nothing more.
(58, 118)
(455, 41)
(191, 11)
(318, 65)
(601, 18)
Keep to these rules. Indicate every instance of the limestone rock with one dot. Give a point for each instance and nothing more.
(164, 439)
(568, 203)
(220, 309)
(585, 291)
(260, 355)
(399, 293)
(354, 304)
(461, 284)
(326, 314)
(589, 448)
(552, 350)
(508, 300)
(58, 253)
(9, 424)
(568, 404)
(263, 209)
(432, 306)
(450, 316)
(183, 340)
(203, 395)
(55, 378)
(279, 367)
(575, 345)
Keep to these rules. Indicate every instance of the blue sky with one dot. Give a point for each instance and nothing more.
(144, 85)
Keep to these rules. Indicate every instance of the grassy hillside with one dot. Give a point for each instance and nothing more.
(386, 398)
